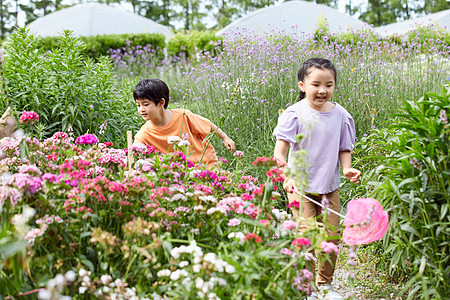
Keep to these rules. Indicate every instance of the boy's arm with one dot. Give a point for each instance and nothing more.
(352, 174)
(229, 143)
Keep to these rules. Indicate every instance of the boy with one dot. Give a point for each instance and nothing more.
(152, 100)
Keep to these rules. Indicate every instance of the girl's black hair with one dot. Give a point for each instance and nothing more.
(316, 62)
(152, 89)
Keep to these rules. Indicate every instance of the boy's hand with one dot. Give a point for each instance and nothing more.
(352, 174)
(229, 144)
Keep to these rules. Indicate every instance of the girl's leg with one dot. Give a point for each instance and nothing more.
(308, 211)
(308, 208)
(327, 267)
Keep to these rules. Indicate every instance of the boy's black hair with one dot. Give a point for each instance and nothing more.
(316, 62)
(152, 89)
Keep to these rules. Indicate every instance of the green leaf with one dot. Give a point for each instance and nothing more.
(85, 234)
(444, 210)
(88, 264)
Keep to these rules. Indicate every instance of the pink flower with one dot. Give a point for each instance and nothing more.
(329, 247)
(264, 222)
(301, 281)
(294, 203)
(238, 154)
(301, 243)
(286, 251)
(288, 225)
(60, 135)
(365, 222)
(86, 139)
(28, 117)
(234, 222)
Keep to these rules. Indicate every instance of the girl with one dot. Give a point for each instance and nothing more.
(329, 137)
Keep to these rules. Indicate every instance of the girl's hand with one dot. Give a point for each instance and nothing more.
(290, 185)
(352, 174)
(229, 144)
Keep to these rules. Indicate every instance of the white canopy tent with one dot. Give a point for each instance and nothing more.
(299, 17)
(95, 19)
(441, 19)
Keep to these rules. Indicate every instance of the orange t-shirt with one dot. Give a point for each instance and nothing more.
(196, 127)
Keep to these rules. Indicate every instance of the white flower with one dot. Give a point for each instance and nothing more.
(59, 280)
(173, 139)
(175, 275)
(183, 264)
(213, 296)
(208, 198)
(198, 207)
(199, 283)
(240, 235)
(178, 197)
(45, 294)
(105, 279)
(82, 289)
(197, 260)
(28, 213)
(118, 282)
(221, 281)
(163, 273)
(196, 268)
(86, 279)
(183, 143)
(70, 276)
(175, 252)
(82, 272)
(230, 269)
(106, 289)
(210, 257)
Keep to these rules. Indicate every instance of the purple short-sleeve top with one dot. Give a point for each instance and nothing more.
(326, 134)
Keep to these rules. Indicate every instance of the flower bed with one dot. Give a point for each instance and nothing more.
(165, 229)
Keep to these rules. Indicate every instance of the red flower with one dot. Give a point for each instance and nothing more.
(301, 242)
(294, 203)
(256, 237)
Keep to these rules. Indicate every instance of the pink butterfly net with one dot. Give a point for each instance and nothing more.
(365, 221)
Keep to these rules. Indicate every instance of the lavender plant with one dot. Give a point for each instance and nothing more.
(374, 75)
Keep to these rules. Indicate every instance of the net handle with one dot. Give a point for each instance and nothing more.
(320, 204)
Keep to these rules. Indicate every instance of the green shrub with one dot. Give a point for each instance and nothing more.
(188, 44)
(99, 45)
(412, 181)
(429, 34)
(63, 87)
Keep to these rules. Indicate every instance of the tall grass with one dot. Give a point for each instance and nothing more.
(374, 75)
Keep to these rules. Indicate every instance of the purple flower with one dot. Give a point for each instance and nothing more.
(443, 117)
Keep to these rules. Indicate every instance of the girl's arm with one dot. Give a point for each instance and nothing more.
(229, 143)
(352, 174)
(280, 152)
